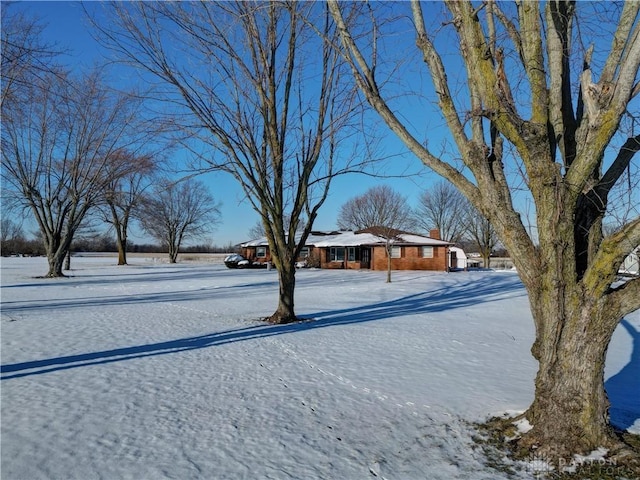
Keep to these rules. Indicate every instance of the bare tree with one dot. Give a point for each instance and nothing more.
(11, 236)
(518, 85)
(480, 231)
(257, 231)
(443, 207)
(24, 54)
(58, 134)
(381, 210)
(123, 194)
(266, 93)
(175, 212)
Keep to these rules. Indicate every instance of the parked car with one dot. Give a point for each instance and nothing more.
(235, 260)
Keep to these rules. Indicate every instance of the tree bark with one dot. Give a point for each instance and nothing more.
(287, 279)
(122, 252)
(121, 240)
(173, 255)
(55, 259)
(570, 411)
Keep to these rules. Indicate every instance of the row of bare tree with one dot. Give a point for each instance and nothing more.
(272, 93)
(74, 149)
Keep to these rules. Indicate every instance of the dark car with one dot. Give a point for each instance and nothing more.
(235, 260)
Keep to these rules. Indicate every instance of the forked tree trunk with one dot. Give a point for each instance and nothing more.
(287, 279)
(570, 411)
(173, 253)
(57, 250)
(56, 262)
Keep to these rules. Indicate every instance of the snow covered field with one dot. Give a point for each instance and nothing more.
(163, 371)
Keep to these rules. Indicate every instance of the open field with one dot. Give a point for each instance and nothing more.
(154, 370)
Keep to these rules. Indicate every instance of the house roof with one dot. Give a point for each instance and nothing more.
(357, 239)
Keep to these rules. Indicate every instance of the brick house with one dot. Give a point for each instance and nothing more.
(364, 249)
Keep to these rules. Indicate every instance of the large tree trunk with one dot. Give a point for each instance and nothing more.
(57, 247)
(56, 262)
(570, 411)
(287, 279)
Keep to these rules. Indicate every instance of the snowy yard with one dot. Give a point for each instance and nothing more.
(163, 371)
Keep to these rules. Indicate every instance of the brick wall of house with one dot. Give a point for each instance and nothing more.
(325, 262)
(411, 259)
(250, 253)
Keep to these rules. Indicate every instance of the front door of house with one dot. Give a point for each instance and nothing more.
(365, 258)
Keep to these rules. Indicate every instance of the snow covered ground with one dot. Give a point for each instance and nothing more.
(163, 371)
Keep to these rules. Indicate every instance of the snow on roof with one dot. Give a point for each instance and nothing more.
(422, 240)
(354, 239)
(258, 242)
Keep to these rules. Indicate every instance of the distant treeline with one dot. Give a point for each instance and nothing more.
(21, 246)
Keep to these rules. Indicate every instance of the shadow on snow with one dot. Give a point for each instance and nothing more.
(199, 293)
(624, 387)
(155, 273)
(473, 292)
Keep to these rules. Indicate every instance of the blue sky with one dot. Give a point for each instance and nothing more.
(67, 27)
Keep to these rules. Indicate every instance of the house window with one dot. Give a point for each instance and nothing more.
(396, 252)
(351, 254)
(427, 252)
(336, 254)
(261, 252)
(304, 252)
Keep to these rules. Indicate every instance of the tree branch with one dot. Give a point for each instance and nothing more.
(612, 252)
(531, 53)
(620, 40)
(626, 298)
(366, 82)
(605, 102)
(559, 17)
(617, 168)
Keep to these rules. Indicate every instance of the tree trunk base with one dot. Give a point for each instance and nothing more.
(500, 434)
(54, 275)
(279, 319)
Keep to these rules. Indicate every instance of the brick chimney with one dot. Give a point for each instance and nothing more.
(435, 234)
